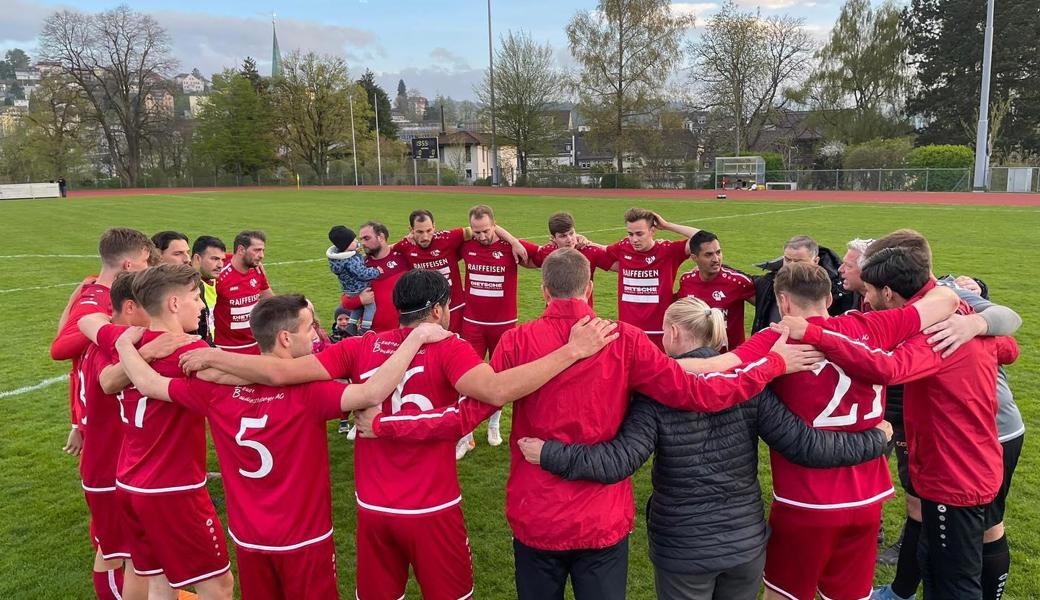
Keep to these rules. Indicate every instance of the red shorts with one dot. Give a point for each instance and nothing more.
(456, 319)
(484, 338)
(108, 525)
(307, 573)
(830, 551)
(178, 535)
(435, 545)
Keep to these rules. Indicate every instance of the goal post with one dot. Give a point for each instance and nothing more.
(731, 169)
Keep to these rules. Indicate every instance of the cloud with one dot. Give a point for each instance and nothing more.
(697, 9)
(443, 55)
(775, 4)
(434, 81)
(212, 42)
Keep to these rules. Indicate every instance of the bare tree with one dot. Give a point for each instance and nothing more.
(116, 60)
(527, 82)
(627, 50)
(741, 65)
(312, 105)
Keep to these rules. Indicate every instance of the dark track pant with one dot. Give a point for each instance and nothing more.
(950, 551)
(599, 574)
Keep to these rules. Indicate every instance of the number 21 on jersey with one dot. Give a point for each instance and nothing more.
(837, 415)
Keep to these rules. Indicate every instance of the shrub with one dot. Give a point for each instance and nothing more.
(613, 180)
(878, 154)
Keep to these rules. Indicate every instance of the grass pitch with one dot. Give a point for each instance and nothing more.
(48, 245)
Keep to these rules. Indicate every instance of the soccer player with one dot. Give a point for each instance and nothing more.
(240, 285)
(563, 235)
(491, 272)
(173, 247)
(121, 249)
(101, 380)
(949, 405)
(825, 521)
(272, 445)
(207, 256)
(717, 285)
(373, 237)
(408, 493)
(577, 529)
(161, 473)
(646, 270)
(426, 247)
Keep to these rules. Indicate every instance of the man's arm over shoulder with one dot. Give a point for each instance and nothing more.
(611, 461)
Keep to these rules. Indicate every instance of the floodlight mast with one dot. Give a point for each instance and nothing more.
(982, 131)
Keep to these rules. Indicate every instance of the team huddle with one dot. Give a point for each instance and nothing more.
(849, 359)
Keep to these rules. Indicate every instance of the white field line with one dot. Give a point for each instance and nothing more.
(32, 388)
(57, 285)
(50, 256)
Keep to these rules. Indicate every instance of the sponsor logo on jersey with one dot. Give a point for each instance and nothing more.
(718, 295)
(497, 255)
(234, 288)
(253, 282)
(627, 257)
(391, 265)
(436, 253)
(649, 259)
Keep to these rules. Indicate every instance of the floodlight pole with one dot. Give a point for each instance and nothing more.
(379, 156)
(982, 134)
(353, 140)
(491, 82)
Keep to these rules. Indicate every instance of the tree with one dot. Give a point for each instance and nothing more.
(402, 90)
(741, 65)
(878, 154)
(15, 58)
(526, 83)
(312, 105)
(115, 59)
(627, 50)
(387, 128)
(250, 72)
(235, 129)
(946, 41)
(859, 86)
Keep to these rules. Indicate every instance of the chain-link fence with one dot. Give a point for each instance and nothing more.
(341, 173)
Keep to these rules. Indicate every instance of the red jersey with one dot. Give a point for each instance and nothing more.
(442, 255)
(70, 343)
(491, 282)
(164, 445)
(272, 443)
(829, 398)
(597, 256)
(237, 294)
(949, 405)
(97, 463)
(394, 264)
(407, 477)
(727, 291)
(645, 282)
(583, 405)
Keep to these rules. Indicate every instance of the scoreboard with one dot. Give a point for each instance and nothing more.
(424, 147)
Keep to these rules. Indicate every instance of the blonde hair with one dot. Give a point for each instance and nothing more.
(698, 320)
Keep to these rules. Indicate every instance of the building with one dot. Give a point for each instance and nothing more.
(190, 83)
(468, 153)
(160, 101)
(195, 104)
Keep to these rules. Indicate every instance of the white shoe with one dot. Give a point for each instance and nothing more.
(494, 436)
(352, 434)
(465, 445)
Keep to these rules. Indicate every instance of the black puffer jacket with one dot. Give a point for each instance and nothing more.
(765, 301)
(705, 513)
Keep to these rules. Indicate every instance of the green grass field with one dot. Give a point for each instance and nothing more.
(46, 246)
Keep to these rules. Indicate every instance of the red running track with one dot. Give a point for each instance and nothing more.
(949, 198)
